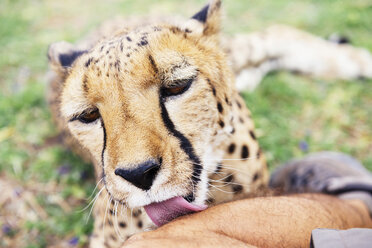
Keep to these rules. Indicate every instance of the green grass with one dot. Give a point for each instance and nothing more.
(294, 115)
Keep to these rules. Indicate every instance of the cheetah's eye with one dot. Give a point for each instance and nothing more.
(89, 116)
(177, 89)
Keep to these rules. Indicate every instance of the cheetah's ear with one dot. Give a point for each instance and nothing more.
(61, 56)
(207, 21)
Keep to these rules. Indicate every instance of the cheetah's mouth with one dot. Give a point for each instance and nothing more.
(163, 212)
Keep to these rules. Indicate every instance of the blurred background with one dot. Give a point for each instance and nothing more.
(44, 187)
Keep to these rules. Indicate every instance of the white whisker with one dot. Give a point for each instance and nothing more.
(221, 189)
(231, 167)
(229, 159)
(104, 218)
(95, 201)
(95, 188)
(86, 207)
(224, 184)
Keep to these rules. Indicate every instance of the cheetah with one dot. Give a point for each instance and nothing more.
(154, 106)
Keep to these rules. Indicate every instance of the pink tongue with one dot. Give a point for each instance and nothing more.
(163, 212)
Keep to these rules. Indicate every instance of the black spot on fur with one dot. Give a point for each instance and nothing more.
(239, 105)
(85, 83)
(231, 148)
(152, 62)
(137, 213)
(122, 224)
(339, 39)
(67, 60)
(175, 30)
(129, 39)
(252, 134)
(88, 62)
(256, 176)
(218, 169)
(214, 91)
(237, 189)
(142, 43)
(202, 15)
(140, 224)
(245, 152)
(344, 40)
(117, 65)
(229, 178)
(220, 108)
(221, 123)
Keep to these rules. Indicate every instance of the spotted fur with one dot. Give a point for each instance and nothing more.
(204, 137)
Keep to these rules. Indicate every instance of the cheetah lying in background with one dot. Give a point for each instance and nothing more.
(154, 106)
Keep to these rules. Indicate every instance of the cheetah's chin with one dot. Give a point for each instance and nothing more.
(163, 212)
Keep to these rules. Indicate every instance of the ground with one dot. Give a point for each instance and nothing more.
(294, 115)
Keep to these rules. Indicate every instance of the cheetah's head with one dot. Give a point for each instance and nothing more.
(152, 105)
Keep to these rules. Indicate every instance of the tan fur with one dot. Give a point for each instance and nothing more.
(122, 77)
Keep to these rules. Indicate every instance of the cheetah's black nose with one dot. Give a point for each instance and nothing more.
(142, 176)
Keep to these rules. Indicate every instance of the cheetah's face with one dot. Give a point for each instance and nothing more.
(148, 105)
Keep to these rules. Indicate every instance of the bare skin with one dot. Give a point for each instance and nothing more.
(282, 221)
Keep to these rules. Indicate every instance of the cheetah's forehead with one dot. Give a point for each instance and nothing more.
(134, 53)
(120, 51)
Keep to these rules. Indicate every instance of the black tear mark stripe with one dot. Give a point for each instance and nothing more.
(103, 149)
(185, 146)
(185, 143)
